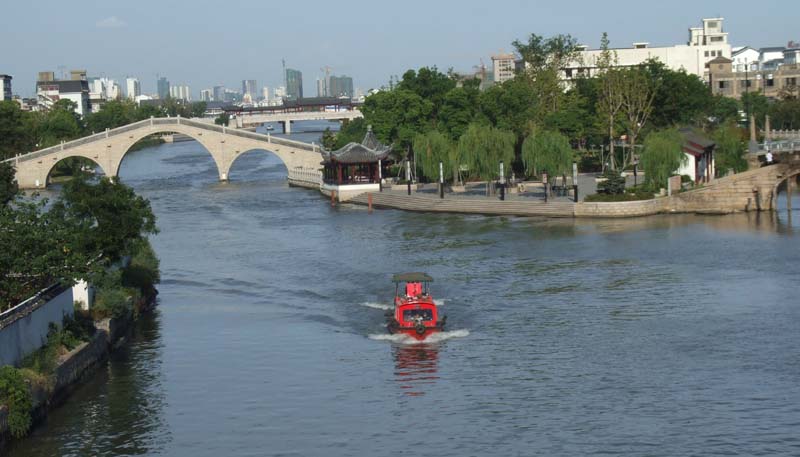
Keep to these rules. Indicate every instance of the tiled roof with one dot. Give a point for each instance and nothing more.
(368, 151)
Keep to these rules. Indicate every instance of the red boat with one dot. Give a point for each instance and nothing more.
(415, 312)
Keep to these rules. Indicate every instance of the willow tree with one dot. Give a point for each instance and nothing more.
(545, 150)
(662, 156)
(431, 148)
(482, 147)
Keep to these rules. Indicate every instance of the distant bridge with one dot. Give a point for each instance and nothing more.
(107, 149)
(249, 119)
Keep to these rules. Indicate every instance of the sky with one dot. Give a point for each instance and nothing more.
(206, 43)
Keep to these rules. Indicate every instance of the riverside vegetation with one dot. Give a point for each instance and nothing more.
(94, 230)
(537, 123)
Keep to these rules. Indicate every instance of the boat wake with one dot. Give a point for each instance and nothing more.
(378, 306)
(400, 338)
(389, 307)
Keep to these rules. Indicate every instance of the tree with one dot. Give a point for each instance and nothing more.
(223, 119)
(610, 99)
(352, 131)
(662, 156)
(113, 114)
(547, 151)
(431, 85)
(756, 105)
(544, 60)
(431, 148)
(397, 116)
(328, 139)
(729, 139)
(483, 147)
(111, 216)
(61, 123)
(723, 109)
(17, 130)
(679, 98)
(785, 114)
(458, 110)
(8, 183)
(638, 93)
(511, 105)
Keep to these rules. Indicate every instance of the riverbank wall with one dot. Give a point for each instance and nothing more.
(24, 328)
(72, 368)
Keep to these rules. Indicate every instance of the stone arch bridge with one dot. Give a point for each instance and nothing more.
(108, 149)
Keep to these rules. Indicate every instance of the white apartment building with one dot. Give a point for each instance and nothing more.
(133, 88)
(503, 67)
(705, 44)
(180, 92)
(205, 95)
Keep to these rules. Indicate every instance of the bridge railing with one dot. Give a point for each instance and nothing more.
(306, 175)
(784, 145)
(161, 121)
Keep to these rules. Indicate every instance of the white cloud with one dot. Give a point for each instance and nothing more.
(111, 22)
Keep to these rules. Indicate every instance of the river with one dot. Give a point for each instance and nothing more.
(659, 336)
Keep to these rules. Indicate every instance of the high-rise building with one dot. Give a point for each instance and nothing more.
(5, 81)
(294, 84)
(132, 88)
(206, 95)
(218, 92)
(321, 89)
(180, 92)
(341, 86)
(250, 86)
(163, 88)
(265, 94)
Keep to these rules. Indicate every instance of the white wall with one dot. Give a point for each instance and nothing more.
(26, 331)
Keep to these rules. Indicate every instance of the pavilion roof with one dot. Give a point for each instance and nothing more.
(370, 150)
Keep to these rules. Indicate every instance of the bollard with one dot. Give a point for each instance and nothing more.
(502, 191)
(333, 198)
(369, 203)
(575, 192)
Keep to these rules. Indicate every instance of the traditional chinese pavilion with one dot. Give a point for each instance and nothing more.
(355, 168)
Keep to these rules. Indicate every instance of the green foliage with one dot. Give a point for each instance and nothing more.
(483, 147)
(755, 104)
(328, 139)
(111, 216)
(430, 149)
(351, 132)
(730, 149)
(724, 109)
(429, 84)
(15, 394)
(547, 151)
(17, 130)
(614, 184)
(785, 114)
(621, 197)
(397, 116)
(680, 98)
(8, 183)
(223, 119)
(111, 299)
(458, 110)
(662, 156)
(509, 106)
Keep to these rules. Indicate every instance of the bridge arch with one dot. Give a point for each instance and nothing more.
(254, 151)
(135, 136)
(51, 166)
(791, 182)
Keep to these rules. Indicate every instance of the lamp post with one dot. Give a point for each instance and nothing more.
(502, 182)
(408, 175)
(441, 181)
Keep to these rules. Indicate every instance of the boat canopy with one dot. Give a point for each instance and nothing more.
(412, 277)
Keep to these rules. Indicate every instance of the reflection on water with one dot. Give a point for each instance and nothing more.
(415, 367)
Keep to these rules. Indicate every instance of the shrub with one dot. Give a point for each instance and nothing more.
(613, 185)
(15, 394)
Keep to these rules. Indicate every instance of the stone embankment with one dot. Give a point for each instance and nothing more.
(71, 368)
(754, 190)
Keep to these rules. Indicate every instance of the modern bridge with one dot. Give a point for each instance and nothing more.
(249, 119)
(107, 149)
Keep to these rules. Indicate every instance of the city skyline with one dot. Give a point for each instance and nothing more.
(370, 53)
